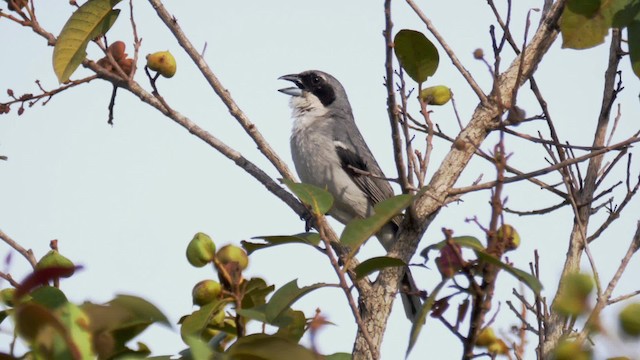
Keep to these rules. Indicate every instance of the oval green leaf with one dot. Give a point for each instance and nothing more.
(359, 230)
(468, 242)
(268, 347)
(303, 238)
(633, 31)
(418, 324)
(580, 31)
(531, 281)
(318, 199)
(284, 297)
(376, 264)
(91, 20)
(416, 54)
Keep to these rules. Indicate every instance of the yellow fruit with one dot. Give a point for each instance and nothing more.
(201, 250)
(231, 253)
(580, 285)
(7, 295)
(162, 62)
(568, 350)
(498, 347)
(509, 233)
(205, 292)
(629, 319)
(436, 95)
(486, 337)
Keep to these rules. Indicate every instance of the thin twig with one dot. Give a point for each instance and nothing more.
(224, 95)
(322, 225)
(27, 254)
(603, 299)
(392, 111)
(606, 149)
(454, 59)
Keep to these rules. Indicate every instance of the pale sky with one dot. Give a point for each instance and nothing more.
(124, 201)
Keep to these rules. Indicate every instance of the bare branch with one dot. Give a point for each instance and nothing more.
(27, 254)
(224, 95)
(476, 88)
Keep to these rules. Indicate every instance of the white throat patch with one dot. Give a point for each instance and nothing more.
(306, 109)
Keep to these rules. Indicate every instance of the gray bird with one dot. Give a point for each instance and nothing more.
(328, 151)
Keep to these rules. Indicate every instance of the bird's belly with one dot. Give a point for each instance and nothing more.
(317, 163)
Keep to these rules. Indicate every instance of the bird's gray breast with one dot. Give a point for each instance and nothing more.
(317, 163)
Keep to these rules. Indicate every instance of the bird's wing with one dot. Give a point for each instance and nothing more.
(363, 173)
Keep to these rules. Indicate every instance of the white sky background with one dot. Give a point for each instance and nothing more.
(124, 201)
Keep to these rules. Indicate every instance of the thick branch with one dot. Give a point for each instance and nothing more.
(429, 203)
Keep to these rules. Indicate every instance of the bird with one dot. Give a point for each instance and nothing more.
(329, 151)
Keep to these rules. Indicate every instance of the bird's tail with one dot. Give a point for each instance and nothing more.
(410, 295)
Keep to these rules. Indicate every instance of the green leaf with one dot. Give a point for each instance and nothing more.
(291, 324)
(255, 293)
(284, 297)
(141, 310)
(358, 231)
(49, 296)
(528, 279)
(339, 356)
(88, 22)
(375, 264)
(621, 12)
(634, 46)
(318, 199)
(586, 23)
(78, 337)
(416, 54)
(587, 8)
(268, 347)
(468, 242)
(119, 321)
(198, 349)
(422, 316)
(303, 238)
(3, 315)
(580, 31)
(196, 324)
(258, 313)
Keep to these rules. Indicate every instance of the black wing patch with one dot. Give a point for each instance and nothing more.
(351, 162)
(356, 167)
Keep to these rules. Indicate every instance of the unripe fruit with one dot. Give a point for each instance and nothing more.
(436, 95)
(117, 50)
(53, 259)
(7, 296)
(232, 253)
(218, 318)
(201, 250)
(486, 337)
(205, 292)
(498, 347)
(569, 350)
(629, 319)
(580, 285)
(510, 234)
(162, 62)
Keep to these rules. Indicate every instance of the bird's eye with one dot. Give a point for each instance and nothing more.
(315, 80)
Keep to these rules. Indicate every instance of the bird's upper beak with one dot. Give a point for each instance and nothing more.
(293, 91)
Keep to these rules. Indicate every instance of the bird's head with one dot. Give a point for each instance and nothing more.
(316, 90)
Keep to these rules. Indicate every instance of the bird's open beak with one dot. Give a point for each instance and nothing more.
(293, 91)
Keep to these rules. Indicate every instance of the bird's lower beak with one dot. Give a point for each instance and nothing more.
(293, 91)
